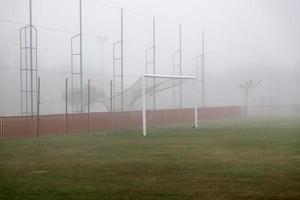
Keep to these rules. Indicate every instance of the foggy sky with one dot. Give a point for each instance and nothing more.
(244, 39)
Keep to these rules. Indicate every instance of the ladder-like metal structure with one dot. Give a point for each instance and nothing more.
(28, 67)
(118, 74)
(76, 77)
(76, 69)
(117, 80)
(177, 71)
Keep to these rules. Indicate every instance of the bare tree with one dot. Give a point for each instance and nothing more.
(247, 86)
(95, 95)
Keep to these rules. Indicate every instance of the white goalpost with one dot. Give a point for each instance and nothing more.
(179, 80)
(156, 101)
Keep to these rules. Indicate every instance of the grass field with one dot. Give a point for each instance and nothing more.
(231, 159)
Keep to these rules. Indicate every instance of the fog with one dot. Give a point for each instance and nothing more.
(244, 39)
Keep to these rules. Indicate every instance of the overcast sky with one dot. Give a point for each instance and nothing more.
(244, 39)
(268, 29)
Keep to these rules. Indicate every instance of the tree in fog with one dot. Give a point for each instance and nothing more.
(95, 95)
(247, 86)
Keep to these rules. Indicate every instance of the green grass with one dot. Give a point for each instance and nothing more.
(231, 159)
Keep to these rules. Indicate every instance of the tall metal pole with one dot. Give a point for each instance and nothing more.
(195, 103)
(66, 106)
(80, 38)
(270, 86)
(89, 95)
(203, 71)
(38, 106)
(111, 96)
(113, 85)
(30, 49)
(180, 64)
(21, 71)
(72, 79)
(154, 63)
(144, 106)
(122, 63)
(1, 129)
(89, 104)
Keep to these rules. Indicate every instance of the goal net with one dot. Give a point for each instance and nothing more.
(155, 101)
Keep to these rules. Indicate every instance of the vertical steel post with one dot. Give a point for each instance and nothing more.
(72, 79)
(154, 63)
(144, 106)
(122, 62)
(28, 66)
(38, 106)
(203, 75)
(195, 103)
(180, 65)
(1, 130)
(2, 127)
(26, 72)
(146, 60)
(177, 66)
(114, 79)
(80, 38)
(30, 59)
(89, 104)
(21, 71)
(66, 106)
(36, 49)
(111, 96)
(199, 76)
(270, 86)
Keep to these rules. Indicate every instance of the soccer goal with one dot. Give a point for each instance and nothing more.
(155, 101)
(165, 94)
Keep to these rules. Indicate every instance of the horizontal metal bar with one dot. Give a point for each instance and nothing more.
(117, 58)
(28, 26)
(28, 69)
(169, 76)
(24, 27)
(34, 28)
(76, 111)
(149, 48)
(117, 42)
(75, 36)
(75, 54)
(26, 91)
(29, 114)
(28, 48)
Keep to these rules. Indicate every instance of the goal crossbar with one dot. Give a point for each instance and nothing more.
(169, 76)
(193, 78)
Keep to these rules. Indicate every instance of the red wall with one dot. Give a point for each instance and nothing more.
(21, 127)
